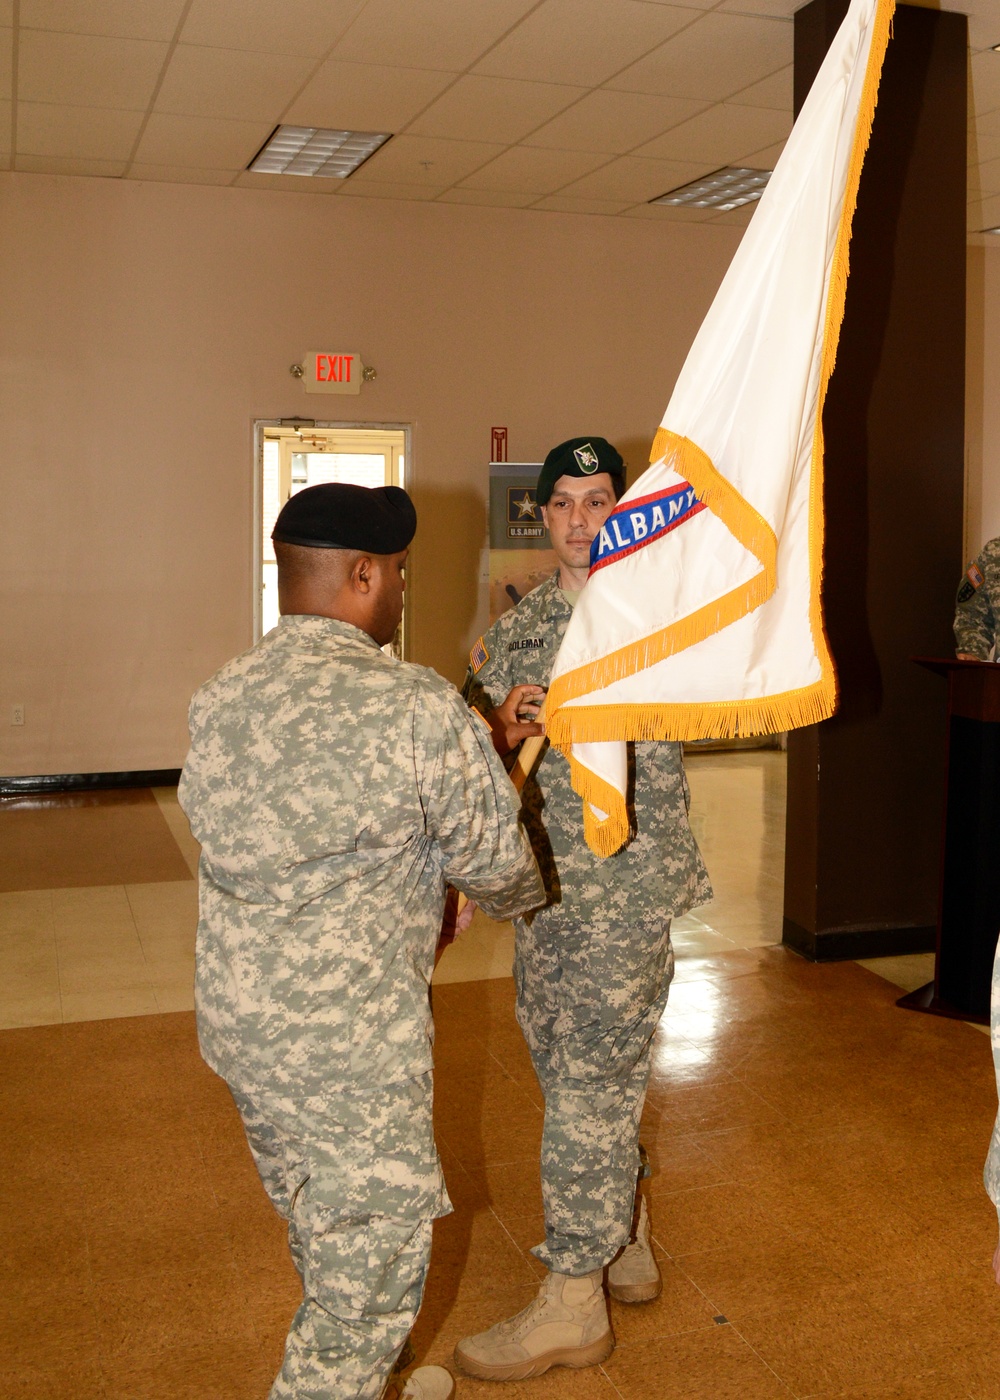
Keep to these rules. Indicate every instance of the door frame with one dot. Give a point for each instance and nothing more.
(256, 543)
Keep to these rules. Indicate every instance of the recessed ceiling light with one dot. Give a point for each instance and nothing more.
(995, 48)
(309, 150)
(990, 230)
(723, 189)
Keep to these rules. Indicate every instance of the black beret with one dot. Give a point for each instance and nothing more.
(334, 515)
(580, 456)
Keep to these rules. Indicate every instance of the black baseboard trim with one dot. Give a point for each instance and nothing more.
(838, 945)
(91, 782)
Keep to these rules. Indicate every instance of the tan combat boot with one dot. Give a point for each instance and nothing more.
(634, 1277)
(425, 1383)
(566, 1325)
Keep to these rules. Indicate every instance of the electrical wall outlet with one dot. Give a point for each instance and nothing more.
(17, 714)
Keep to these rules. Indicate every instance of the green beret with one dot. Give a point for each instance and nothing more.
(580, 456)
(335, 515)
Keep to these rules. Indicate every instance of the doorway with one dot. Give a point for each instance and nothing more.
(291, 456)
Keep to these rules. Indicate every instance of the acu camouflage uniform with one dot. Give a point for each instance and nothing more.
(977, 605)
(593, 966)
(335, 792)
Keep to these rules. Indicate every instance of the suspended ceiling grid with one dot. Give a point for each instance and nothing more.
(590, 106)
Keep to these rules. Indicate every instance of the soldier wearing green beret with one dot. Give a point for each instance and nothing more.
(977, 607)
(593, 966)
(335, 792)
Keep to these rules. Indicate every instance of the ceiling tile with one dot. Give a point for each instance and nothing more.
(7, 13)
(985, 75)
(448, 34)
(291, 184)
(5, 111)
(88, 71)
(91, 133)
(490, 199)
(713, 58)
(115, 19)
(66, 165)
(568, 204)
(669, 213)
(582, 41)
(534, 170)
(613, 122)
(426, 160)
(306, 27)
(387, 189)
(230, 83)
(984, 213)
(775, 9)
(765, 159)
(181, 174)
(774, 92)
(205, 142)
(6, 67)
(987, 177)
(6, 160)
(365, 96)
(633, 178)
(493, 109)
(983, 148)
(721, 135)
(984, 29)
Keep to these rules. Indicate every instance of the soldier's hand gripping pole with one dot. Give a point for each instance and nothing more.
(528, 755)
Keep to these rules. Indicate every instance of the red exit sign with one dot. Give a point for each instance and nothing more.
(333, 372)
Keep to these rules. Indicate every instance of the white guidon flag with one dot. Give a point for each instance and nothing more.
(701, 615)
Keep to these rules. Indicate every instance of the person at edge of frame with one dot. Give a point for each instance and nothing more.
(977, 607)
(336, 792)
(592, 967)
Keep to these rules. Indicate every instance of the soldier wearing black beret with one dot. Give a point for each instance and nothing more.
(335, 790)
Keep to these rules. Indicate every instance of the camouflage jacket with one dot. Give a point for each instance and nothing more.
(335, 791)
(659, 873)
(977, 605)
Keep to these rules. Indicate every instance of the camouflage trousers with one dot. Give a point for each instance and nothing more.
(588, 1002)
(360, 1188)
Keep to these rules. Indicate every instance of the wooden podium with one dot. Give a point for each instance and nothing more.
(969, 899)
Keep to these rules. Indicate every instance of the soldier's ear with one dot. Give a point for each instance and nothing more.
(362, 574)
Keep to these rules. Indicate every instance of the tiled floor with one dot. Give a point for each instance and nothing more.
(817, 1156)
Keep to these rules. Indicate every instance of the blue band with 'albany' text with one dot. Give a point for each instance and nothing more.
(634, 524)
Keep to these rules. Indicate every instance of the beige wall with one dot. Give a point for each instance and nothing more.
(982, 420)
(145, 327)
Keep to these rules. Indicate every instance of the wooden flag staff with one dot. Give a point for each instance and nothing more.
(530, 752)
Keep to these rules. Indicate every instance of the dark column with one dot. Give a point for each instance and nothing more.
(866, 788)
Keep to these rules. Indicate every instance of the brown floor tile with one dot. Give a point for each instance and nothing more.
(474, 1252)
(69, 1377)
(710, 1364)
(59, 1311)
(232, 1368)
(936, 1385)
(825, 1344)
(140, 1323)
(710, 1217)
(761, 1276)
(74, 840)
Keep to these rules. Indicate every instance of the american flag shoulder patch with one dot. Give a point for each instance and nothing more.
(478, 656)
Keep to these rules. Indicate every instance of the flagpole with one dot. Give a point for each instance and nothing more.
(527, 757)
